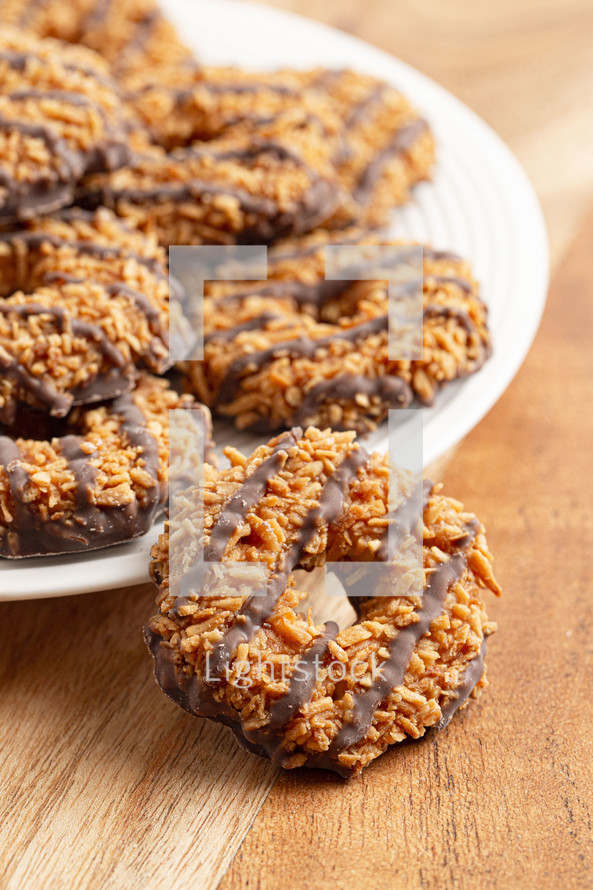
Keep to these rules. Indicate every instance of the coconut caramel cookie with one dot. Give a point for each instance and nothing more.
(384, 149)
(131, 34)
(202, 103)
(380, 146)
(84, 302)
(239, 189)
(60, 117)
(97, 478)
(300, 349)
(300, 693)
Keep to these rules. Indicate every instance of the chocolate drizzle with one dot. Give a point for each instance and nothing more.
(43, 390)
(387, 390)
(236, 509)
(53, 185)
(106, 383)
(400, 144)
(384, 391)
(301, 346)
(97, 15)
(456, 280)
(15, 59)
(267, 220)
(64, 322)
(87, 526)
(279, 255)
(268, 741)
(192, 689)
(300, 689)
(401, 522)
(185, 93)
(66, 96)
(446, 312)
(361, 112)
(194, 189)
(18, 60)
(34, 240)
(258, 609)
(324, 290)
(233, 514)
(142, 33)
(254, 324)
(192, 694)
(472, 529)
(471, 677)
(70, 160)
(393, 670)
(253, 151)
(315, 294)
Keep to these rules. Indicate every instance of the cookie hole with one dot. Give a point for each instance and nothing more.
(323, 606)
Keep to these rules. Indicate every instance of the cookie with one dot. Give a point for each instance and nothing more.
(380, 146)
(97, 478)
(244, 189)
(299, 349)
(301, 693)
(131, 34)
(84, 302)
(60, 117)
(197, 103)
(385, 146)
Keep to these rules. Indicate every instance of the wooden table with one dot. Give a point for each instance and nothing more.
(104, 783)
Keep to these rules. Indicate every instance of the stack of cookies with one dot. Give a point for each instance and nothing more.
(116, 144)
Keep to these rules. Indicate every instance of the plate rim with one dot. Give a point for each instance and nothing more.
(531, 215)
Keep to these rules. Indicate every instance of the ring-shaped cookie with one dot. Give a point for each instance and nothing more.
(299, 349)
(97, 478)
(270, 672)
(84, 303)
(378, 146)
(60, 117)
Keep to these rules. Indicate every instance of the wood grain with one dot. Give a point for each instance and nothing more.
(103, 781)
(105, 784)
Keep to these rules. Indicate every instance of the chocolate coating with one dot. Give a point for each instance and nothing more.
(60, 118)
(56, 494)
(429, 657)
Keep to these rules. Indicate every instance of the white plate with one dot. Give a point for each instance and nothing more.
(480, 205)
